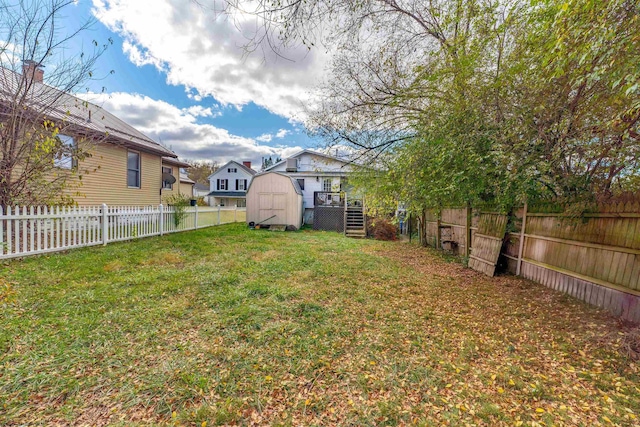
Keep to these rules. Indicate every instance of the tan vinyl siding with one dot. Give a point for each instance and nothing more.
(104, 178)
(185, 189)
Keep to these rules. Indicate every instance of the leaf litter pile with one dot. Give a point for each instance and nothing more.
(226, 326)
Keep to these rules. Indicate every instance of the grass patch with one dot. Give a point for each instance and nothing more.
(227, 325)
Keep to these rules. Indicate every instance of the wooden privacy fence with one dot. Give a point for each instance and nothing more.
(36, 230)
(594, 257)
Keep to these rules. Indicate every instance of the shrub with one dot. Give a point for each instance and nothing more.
(179, 203)
(382, 229)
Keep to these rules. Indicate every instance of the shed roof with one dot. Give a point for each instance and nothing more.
(294, 182)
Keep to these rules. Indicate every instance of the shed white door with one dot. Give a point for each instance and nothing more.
(270, 204)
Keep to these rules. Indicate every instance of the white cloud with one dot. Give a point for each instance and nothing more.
(265, 137)
(179, 129)
(282, 133)
(203, 51)
(200, 111)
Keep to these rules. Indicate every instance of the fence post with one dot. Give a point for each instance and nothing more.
(235, 214)
(218, 214)
(468, 231)
(438, 220)
(522, 237)
(1, 231)
(161, 221)
(195, 221)
(344, 215)
(105, 224)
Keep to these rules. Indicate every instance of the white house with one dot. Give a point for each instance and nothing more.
(228, 185)
(201, 190)
(315, 173)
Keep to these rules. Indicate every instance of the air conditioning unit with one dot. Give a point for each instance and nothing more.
(292, 165)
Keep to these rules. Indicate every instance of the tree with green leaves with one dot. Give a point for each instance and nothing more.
(477, 100)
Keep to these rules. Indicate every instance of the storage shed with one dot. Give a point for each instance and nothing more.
(274, 198)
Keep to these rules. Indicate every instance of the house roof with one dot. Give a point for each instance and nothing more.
(294, 182)
(83, 115)
(185, 178)
(228, 193)
(306, 151)
(175, 162)
(201, 187)
(234, 163)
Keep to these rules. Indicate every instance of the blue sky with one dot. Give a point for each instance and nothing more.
(181, 77)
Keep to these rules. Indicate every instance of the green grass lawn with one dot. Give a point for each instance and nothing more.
(236, 327)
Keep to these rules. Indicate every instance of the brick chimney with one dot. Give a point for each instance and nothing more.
(32, 71)
(247, 164)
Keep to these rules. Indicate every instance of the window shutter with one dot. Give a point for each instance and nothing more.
(237, 184)
(226, 184)
(245, 185)
(218, 184)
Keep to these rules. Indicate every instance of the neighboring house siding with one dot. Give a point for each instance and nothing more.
(312, 163)
(105, 179)
(185, 189)
(238, 181)
(310, 187)
(231, 177)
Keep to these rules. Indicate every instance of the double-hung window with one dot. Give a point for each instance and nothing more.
(133, 169)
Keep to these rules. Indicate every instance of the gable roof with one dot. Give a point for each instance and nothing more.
(294, 181)
(234, 163)
(79, 113)
(186, 179)
(307, 151)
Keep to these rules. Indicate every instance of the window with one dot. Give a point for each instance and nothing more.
(223, 202)
(232, 170)
(301, 183)
(65, 159)
(326, 184)
(167, 184)
(241, 184)
(222, 184)
(133, 169)
(241, 203)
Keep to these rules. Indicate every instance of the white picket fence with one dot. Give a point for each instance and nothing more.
(36, 230)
